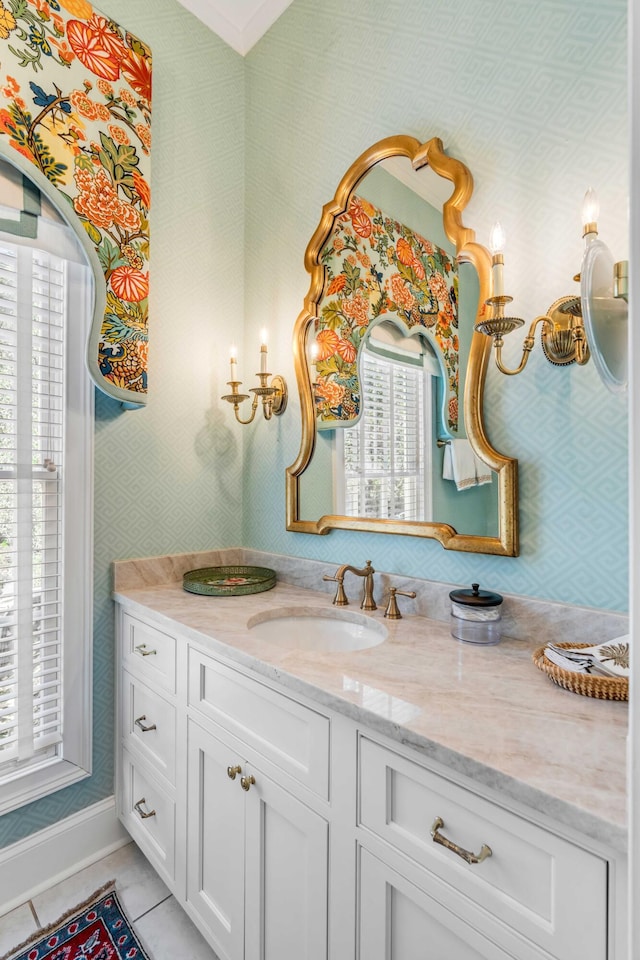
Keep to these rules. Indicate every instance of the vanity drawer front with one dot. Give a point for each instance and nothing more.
(290, 735)
(544, 887)
(149, 653)
(149, 725)
(148, 813)
(398, 921)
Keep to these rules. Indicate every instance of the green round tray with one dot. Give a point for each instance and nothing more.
(234, 581)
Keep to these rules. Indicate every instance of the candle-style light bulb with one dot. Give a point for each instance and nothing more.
(496, 246)
(590, 212)
(263, 350)
(234, 362)
(496, 239)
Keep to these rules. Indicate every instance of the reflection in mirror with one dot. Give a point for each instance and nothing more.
(392, 462)
(385, 350)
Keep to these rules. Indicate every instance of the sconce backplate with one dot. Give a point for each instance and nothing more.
(279, 403)
(559, 344)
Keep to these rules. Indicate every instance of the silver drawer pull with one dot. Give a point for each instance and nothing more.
(142, 649)
(144, 727)
(485, 851)
(143, 813)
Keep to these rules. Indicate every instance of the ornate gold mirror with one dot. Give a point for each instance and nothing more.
(389, 368)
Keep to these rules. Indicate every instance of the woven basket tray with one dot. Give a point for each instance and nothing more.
(603, 688)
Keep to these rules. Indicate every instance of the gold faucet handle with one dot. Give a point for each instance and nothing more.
(392, 612)
(340, 599)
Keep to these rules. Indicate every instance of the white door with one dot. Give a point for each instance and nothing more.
(215, 841)
(286, 876)
(400, 922)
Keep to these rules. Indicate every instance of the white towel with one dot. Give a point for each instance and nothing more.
(461, 465)
(609, 659)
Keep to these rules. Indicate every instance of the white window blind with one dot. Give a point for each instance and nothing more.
(384, 467)
(32, 328)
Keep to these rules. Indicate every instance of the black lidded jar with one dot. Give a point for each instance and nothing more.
(476, 615)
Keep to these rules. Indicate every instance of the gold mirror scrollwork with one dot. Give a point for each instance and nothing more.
(421, 155)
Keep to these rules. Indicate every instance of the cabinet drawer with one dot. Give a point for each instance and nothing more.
(148, 812)
(399, 922)
(149, 725)
(149, 653)
(292, 736)
(543, 887)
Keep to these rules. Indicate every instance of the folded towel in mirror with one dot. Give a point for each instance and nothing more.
(608, 659)
(460, 464)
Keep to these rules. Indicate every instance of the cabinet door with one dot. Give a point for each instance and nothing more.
(215, 842)
(286, 876)
(400, 922)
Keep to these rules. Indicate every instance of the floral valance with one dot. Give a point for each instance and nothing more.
(376, 266)
(75, 101)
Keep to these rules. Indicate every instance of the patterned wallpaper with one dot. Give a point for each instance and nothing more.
(531, 96)
(166, 475)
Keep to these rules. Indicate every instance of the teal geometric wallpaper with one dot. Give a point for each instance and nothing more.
(166, 475)
(531, 96)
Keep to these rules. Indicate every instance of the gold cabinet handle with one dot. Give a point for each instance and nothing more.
(246, 782)
(232, 772)
(466, 855)
(145, 727)
(142, 649)
(143, 813)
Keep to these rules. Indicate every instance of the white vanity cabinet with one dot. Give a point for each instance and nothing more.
(289, 832)
(224, 784)
(520, 889)
(256, 858)
(256, 852)
(147, 726)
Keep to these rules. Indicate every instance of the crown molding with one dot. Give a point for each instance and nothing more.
(240, 23)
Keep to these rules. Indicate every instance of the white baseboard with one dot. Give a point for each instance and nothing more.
(30, 866)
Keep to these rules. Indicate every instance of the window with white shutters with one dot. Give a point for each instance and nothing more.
(45, 500)
(384, 453)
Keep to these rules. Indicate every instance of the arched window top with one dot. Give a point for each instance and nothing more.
(82, 133)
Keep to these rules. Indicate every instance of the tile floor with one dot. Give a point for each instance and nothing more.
(161, 925)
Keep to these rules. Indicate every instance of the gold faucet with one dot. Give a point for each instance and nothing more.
(392, 611)
(340, 599)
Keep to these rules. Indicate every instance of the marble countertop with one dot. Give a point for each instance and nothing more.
(484, 712)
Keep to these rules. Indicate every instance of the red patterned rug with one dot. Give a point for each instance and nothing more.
(95, 930)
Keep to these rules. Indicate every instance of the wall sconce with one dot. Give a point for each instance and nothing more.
(562, 333)
(604, 293)
(273, 395)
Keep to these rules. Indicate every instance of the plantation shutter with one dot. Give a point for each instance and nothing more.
(384, 452)
(32, 326)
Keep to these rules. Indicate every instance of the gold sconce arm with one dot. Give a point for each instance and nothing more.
(562, 335)
(237, 398)
(274, 397)
(527, 347)
(597, 313)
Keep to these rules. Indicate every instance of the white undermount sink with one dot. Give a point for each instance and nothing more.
(317, 629)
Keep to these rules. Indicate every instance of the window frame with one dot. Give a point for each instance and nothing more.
(72, 761)
(429, 379)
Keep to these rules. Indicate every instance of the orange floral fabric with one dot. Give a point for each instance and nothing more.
(375, 266)
(85, 124)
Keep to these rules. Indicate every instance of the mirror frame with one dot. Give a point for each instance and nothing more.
(430, 153)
